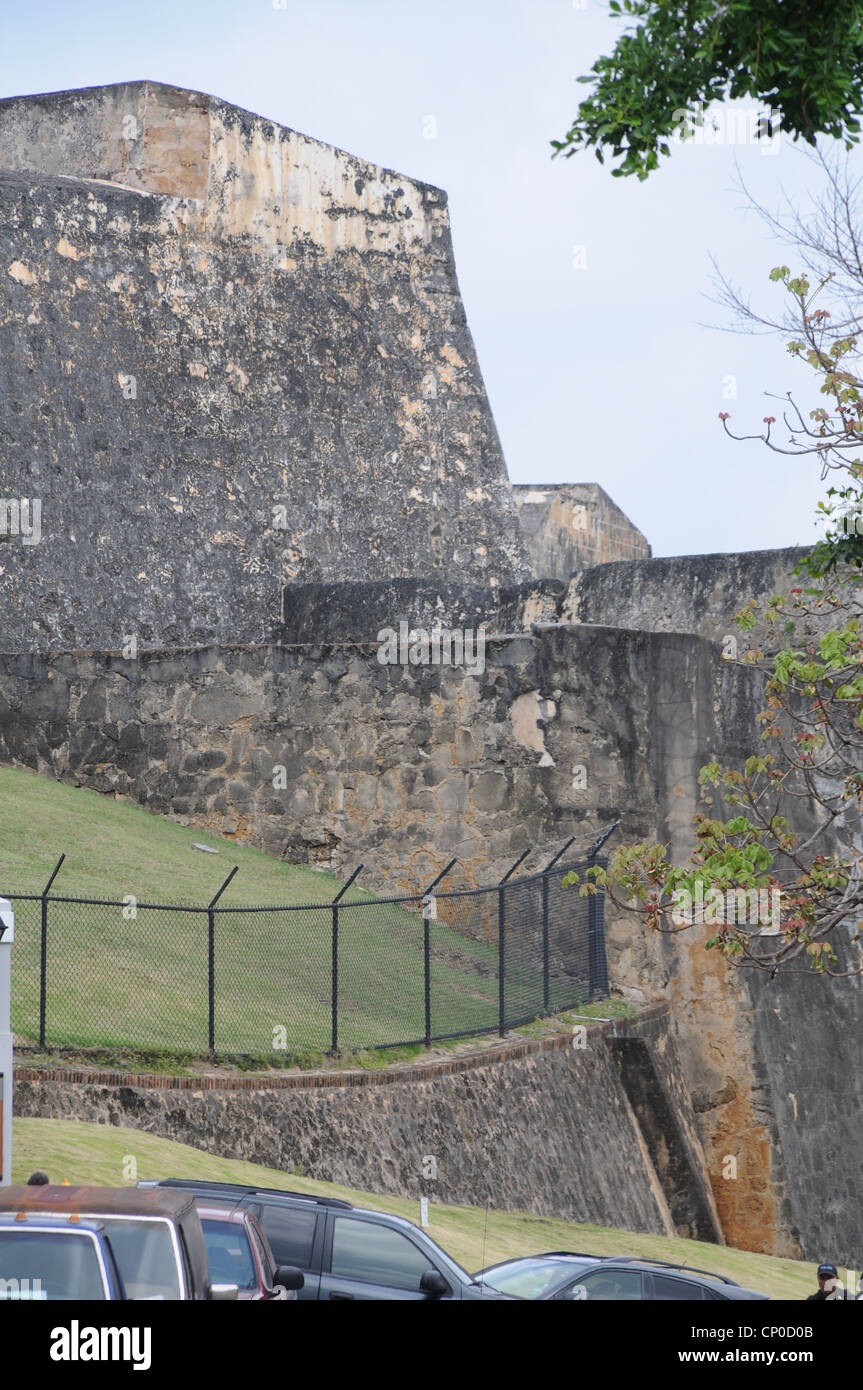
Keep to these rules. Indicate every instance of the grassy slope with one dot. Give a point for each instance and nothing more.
(118, 982)
(113, 847)
(97, 1153)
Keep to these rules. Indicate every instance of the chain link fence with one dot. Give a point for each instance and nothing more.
(349, 975)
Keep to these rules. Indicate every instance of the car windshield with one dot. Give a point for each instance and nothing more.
(145, 1255)
(533, 1278)
(49, 1265)
(229, 1254)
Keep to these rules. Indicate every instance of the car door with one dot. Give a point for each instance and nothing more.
(366, 1260)
(296, 1237)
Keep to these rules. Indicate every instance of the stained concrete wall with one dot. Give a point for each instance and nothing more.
(247, 176)
(682, 593)
(240, 362)
(774, 1068)
(762, 1082)
(569, 526)
(543, 1128)
(313, 614)
(651, 1074)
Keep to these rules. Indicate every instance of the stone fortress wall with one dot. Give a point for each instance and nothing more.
(466, 1121)
(679, 593)
(570, 527)
(232, 357)
(237, 373)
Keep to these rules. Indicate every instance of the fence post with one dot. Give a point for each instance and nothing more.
(334, 984)
(597, 969)
(43, 955)
(501, 944)
(545, 961)
(427, 949)
(501, 963)
(597, 960)
(7, 936)
(335, 968)
(211, 963)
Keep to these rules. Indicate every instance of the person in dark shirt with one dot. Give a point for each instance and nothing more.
(830, 1288)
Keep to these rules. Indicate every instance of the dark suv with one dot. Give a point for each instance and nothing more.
(345, 1252)
(566, 1274)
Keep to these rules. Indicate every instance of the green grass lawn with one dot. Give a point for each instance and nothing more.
(114, 847)
(88, 1153)
(116, 980)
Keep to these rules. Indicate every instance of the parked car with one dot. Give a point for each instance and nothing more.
(56, 1258)
(156, 1236)
(347, 1252)
(239, 1253)
(564, 1274)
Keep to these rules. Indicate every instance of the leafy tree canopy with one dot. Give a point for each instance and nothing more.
(802, 60)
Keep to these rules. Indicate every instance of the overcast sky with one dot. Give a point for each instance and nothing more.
(585, 294)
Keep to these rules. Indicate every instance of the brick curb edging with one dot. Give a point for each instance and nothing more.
(322, 1079)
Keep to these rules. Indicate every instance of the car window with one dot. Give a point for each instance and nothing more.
(620, 1285)
(376, 1255)
(145, 1255)
(229, 1254)
(49, 1265)
(532, 1278)
(666, 1286)
(291, 1233)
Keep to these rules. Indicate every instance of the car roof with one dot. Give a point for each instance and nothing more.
(101, 1201)
(704, 1278)
(559, 1257)
(643, 1263)
(568, 1255)
(236, 1191)
(229, 1194)
(50, 1221)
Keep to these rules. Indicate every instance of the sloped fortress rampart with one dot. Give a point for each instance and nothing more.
(234, 357)
(238, 379)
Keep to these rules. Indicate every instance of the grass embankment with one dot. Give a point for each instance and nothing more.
(88, 1153)
(166, 1062)
(137, 977)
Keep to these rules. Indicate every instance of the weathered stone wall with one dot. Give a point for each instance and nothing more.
(569, 526)
(313, 614)
(651, 1074)
(681, 593)
(402, 766)
(774, 1066)
(546, 1129)
(775, 1072)
(565, 730)
(242, 363)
